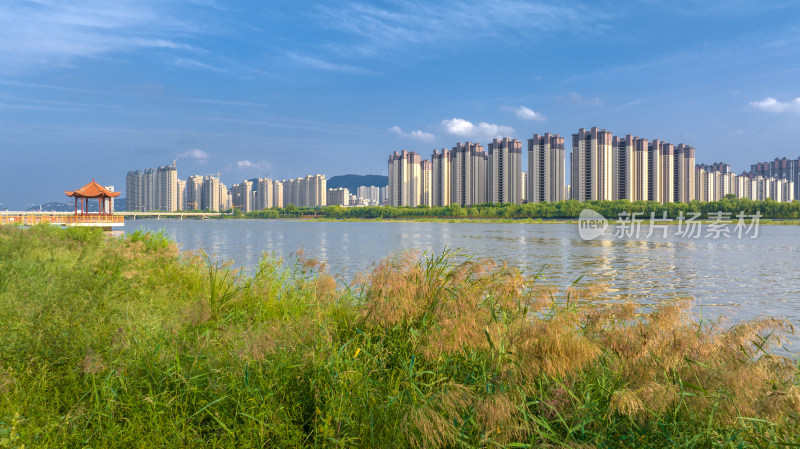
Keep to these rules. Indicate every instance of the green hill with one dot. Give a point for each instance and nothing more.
(353, 182)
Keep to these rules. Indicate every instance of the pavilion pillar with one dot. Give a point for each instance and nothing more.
(76, 205)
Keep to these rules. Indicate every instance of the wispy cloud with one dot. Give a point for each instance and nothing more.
(324, 65)
(189, 63)
(483, 130)
(196, 154)
(409, 24)
(526, 113)
(770, 104)
(48, 32)
(417, 134)
(578, 99)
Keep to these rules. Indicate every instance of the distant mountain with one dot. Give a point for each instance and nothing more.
(353, 182)
(52, 207)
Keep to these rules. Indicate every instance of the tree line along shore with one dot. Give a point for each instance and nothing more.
(125, 342)
(563, 210)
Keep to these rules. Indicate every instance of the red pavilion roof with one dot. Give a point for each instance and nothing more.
(93, 190)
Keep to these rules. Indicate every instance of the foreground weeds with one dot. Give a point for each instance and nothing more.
(126, 343)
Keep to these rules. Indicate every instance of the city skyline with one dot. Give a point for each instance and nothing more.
(90, 89)
(603, 167)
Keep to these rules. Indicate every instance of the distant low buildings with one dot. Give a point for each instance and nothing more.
(339, 197)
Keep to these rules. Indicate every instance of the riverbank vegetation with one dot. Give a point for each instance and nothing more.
(127, 343)
(562, 210)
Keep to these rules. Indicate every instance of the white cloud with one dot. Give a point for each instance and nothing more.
(528, 113)
(246, 165)
(770, 104)
(418, 134)
(196, 154)
(465, 128)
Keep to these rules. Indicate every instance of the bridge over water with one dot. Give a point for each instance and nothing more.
(93, 219)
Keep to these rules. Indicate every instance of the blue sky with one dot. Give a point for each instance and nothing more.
(285, 88)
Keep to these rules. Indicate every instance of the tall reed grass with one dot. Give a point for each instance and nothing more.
(127, 343)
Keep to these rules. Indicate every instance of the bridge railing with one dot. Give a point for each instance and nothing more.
(32, 219)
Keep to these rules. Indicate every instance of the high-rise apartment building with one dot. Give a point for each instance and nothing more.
(134, 190)
(371, 194)
(316, 191)
(166, 188)
(338, 197)
(277, 194)
(180, 189)
(264, 194)
(523, 186)
(242, 196)
(194, 192)
(153, 189)
(630, 165)
(505, 171)
(149, 193)
(441, 177)
(405, 179)
(783, 168)
(684, 173)
(545, 169)
(224, 197)
(468, 174)
(591, 165)
(209, 194)
(310, 191)
(426, 173)
(660, 172)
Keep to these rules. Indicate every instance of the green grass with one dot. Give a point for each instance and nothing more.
(126, 343)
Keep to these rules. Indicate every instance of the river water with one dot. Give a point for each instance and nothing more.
(739, 278)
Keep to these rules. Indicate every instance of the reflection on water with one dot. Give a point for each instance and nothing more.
(761, 275)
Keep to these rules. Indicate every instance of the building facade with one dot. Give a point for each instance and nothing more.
(591, 165)
(405, 179)
(441, 177)
(546, 170)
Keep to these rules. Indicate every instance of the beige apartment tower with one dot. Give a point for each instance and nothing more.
(546, 170)
(210, 194)
(591, 165)
(667, 177)
(468, 164)
(440, 177)
(630, 168)
(405, 179)
(426, 171)
(505, 171)
(684, 173)
(194, 192)
(180, 188)
(264, 194)
(654, 172)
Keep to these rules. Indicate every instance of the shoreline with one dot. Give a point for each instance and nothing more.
(544, 221)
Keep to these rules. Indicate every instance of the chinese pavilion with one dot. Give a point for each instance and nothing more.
(90, 191)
